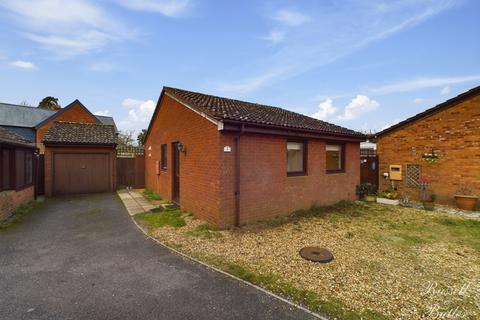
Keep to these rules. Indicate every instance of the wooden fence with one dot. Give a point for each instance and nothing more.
(131, 172)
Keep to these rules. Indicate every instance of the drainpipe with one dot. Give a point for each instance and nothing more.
(237, 176)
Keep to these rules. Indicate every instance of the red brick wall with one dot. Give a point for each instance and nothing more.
(75, 113)
(199, 168)
(50, 150)
(266, 191)
(11, 199)
(454, 133)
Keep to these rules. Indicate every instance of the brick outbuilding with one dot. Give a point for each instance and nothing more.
(441, 144)
(232, 162)
(79, 158)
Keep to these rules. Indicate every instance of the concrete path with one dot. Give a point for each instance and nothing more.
(134, 202)
(83, 258)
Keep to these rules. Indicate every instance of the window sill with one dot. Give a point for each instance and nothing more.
(296, 174)
(335, 171)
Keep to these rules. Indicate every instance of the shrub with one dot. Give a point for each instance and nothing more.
(389, 193)
(365, 189)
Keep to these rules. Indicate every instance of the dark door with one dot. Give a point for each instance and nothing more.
(80, 173)
(369, 169)
(176, 173)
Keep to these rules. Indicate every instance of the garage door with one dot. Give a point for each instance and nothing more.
(80, 173)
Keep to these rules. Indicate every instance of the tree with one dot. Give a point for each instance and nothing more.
(50, 103)
(141, 137)
(125, 138)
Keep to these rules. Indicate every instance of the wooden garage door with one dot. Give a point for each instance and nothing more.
(80, 173)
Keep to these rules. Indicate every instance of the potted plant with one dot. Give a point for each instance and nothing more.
(465, 199)
(428, 198)
(366, 191)
(388, 196)
(429, 201)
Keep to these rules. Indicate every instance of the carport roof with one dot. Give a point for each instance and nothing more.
(9, 137)
(80, 133)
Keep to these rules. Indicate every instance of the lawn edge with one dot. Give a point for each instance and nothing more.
(208, 266)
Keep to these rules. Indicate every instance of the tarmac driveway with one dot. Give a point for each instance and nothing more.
(82, 257)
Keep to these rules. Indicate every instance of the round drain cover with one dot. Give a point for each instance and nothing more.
(316, 254)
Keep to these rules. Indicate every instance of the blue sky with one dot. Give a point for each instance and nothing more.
(361, 64)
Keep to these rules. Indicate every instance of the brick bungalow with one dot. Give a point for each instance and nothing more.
(451, 132)
(231, 162)
(16, 171)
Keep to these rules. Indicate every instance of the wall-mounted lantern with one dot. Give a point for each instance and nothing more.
(181, 148)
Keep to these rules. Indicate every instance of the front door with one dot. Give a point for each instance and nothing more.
(176, 173)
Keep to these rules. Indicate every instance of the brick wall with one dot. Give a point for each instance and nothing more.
(75, 113)
(11, 199)
(265, 189)
(454, 133)
(199, 174)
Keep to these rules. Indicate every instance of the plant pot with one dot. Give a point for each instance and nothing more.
(466, 202)
(429, 205)
(369, 198)
(394, 202)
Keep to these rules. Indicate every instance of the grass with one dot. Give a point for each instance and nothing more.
(173, 218)
(20, 214)
(204, 231)
(384, 257)
(308, 298)
(151, 195)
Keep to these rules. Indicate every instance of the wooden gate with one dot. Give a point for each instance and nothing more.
(369, 169)
(131, 172)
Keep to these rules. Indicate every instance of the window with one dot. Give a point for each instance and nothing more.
(20, 168)
(335, 158)
(6, 166)
(296, 158)
(163, 161)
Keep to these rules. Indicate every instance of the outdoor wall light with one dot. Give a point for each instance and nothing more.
(181, 148)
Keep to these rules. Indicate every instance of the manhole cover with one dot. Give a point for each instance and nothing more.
(316, 254)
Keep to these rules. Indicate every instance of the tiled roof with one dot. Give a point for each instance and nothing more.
(80, 133)
(221, 108)
(10, 137)
(15, 115)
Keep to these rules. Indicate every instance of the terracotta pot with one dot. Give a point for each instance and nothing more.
(466, 202)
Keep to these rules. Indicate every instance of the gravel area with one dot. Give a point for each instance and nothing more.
(402, 263)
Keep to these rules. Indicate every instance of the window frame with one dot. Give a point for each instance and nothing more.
(342, 155)
(304, 172)
(163, 157)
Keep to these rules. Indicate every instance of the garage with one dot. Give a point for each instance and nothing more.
(79, 158)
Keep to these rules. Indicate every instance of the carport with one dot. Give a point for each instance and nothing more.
(79, 158)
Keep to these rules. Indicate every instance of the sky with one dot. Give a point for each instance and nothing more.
(364, 65)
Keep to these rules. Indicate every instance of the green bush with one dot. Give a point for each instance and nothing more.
(151, 194)
(389, 194)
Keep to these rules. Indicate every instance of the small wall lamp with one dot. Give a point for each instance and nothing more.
(181, 148)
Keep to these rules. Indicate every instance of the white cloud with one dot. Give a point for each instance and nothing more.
(415, 84)
(169, 8)
(291, 18)
(274, 36)
(331, 33)
(23, 64)
(418, 100)
(445, 90)
(358, 106)
(102, 113)
(66, 28)
(139, 114)
(325, 110)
